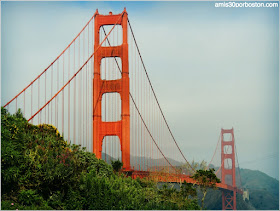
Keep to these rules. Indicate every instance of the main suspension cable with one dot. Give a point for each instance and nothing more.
(51, 63)
(76, 72)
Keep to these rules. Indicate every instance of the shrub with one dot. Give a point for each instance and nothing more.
(40, 170)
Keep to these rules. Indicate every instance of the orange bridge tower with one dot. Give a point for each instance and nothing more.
(118, 128)
(228, 172)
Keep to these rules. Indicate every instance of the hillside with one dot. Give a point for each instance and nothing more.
(257, 180)
(263, 189)
(135, 161)
(263, 192)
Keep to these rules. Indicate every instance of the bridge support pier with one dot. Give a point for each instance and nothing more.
(228, 200)
(120, 128)
(228, 170)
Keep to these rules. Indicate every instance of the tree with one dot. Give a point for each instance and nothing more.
(187, 190)
(193, 166)
(205, 179)
(117, 165)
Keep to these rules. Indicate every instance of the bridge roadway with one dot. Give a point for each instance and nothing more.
(175, 178)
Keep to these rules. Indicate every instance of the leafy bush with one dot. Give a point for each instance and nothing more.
(40, 170)
(117, 165)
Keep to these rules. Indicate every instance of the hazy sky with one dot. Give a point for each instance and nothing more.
(210, 67)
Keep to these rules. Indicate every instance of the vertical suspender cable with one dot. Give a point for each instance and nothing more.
(45, 96)
(24, 104)
(105, 107)
(63, 97)
(141, 107)
(86, 85)
(69, 106)
(83, 94)
(91, 81)
(56, 99)
(39, 99)
(74, 99)
(139, 147)
(51, 93)
(79, 96)
(48, 113)
(31, 101)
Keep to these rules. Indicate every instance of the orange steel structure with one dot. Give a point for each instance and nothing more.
(177, 178)
(228, 196)
(119, 128)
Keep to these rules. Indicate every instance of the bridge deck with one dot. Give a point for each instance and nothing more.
(176, 178)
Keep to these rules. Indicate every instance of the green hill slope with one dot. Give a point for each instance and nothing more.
(263, 193)
(257, 180)
(263, 189)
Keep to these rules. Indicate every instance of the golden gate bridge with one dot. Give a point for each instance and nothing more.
(97, 92)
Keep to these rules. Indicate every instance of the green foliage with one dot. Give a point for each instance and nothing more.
(40, 170)
(117, 165)
(29, 197)
(188, 190)
(190, 168)
(205, 179)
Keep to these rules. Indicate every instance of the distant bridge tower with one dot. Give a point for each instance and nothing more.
(118, 128)
(228, 172)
